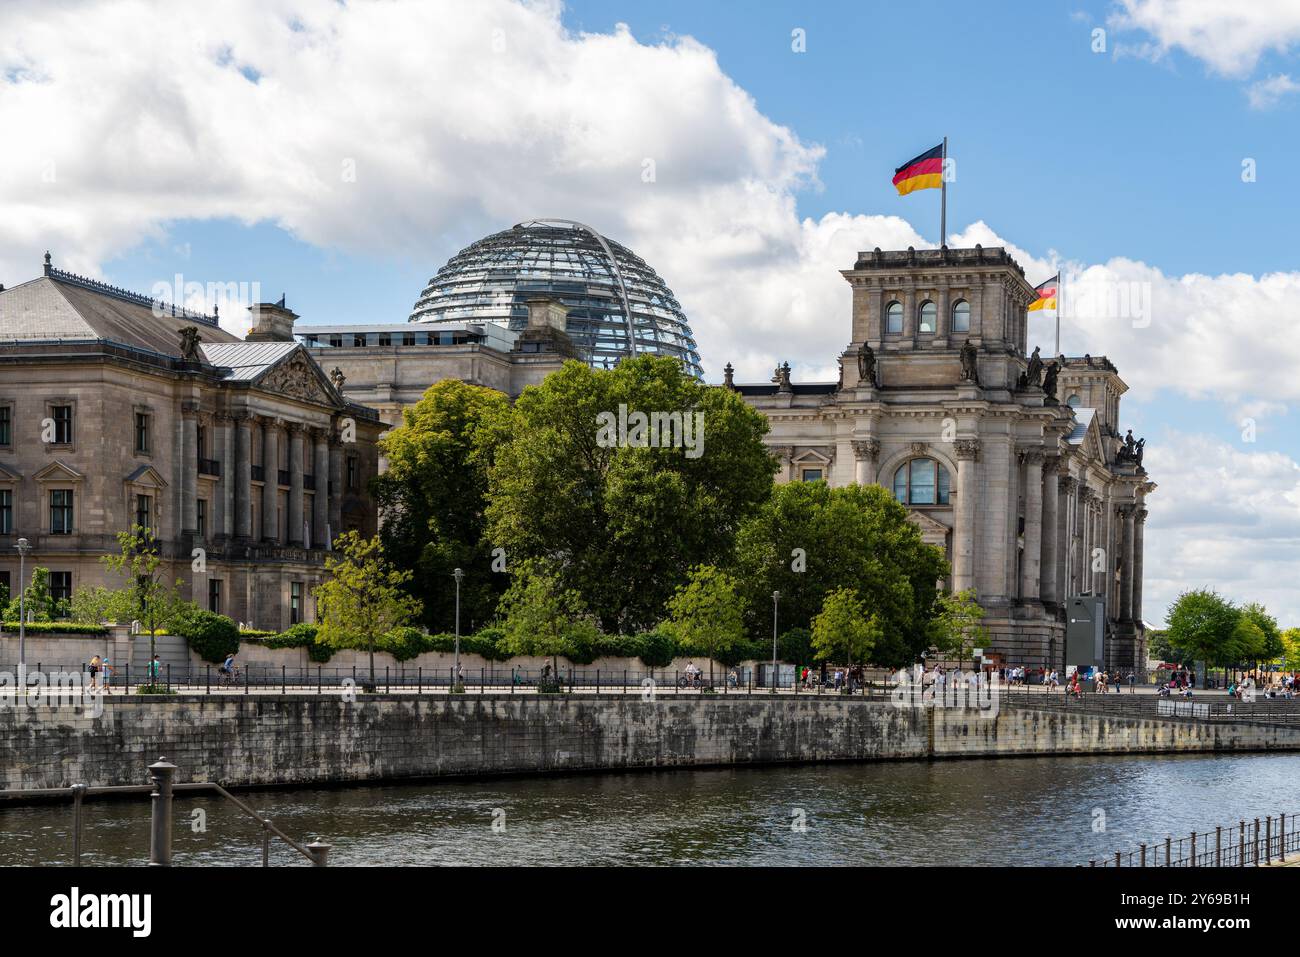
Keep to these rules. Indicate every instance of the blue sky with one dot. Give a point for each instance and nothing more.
(218, 157)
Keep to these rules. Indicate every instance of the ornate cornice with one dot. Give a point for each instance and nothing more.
(866, 448)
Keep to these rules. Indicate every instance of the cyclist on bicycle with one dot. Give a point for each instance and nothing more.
(692, 673)
(228, 666)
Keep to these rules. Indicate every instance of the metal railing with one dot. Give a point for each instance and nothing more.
(162, 793)
(1244, 844)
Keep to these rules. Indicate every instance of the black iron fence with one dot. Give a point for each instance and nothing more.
(1252, 843)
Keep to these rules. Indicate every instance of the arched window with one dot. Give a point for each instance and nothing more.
(1073, 401)
(929, 315)
(922, 482)
(894, 317)
(961, 316)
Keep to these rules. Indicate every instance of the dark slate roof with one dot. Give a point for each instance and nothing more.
(47, 308)
(246, 360)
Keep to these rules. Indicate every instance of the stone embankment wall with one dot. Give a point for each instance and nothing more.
(307, 739)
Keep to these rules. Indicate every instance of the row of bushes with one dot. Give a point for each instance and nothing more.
(213, 637)
(57, 628)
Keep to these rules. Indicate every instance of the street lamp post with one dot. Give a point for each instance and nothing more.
(23, 547)
(776, 598)
(457, 574)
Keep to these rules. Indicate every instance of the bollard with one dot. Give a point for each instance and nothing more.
(160, 829)
(1144, 854)
(78, 793)
(1168, 847)
(320, 853)
(1117, 858)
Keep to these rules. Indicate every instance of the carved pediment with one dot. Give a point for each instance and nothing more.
(56, 471)
(146, 476)
(298, 377)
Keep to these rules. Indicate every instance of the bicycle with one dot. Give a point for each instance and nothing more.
(691, 681)
(229, 679)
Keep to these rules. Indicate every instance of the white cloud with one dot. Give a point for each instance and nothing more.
(1266, 94)
(1230, 36)
(1223, 518)
(460, 119)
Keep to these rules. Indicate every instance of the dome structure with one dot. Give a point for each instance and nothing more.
(616, 305)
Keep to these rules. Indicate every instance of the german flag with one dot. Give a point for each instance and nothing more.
(1046, 294)
(924, 172)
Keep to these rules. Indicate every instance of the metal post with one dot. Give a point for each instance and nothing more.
(284, 680)
(597, 681)
(208, 671)
(776, 601)
(266, 845)
(1117, 858)
(160, 830)
(1144, 855)
(1281, 838)
(387, 686)
(248, 677)
(1241, 844)
(1168, 847)
(318, 680)
(169, 677)
(23, 548)
(457, 574)
(1218, 846)
(419, 680)
(320, 853)
(1255, 858)
(1193, 864)
(1268, 838)
(78, 793)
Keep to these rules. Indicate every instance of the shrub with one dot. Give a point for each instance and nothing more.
(253, 634)
(795, 646)
(210, 636)
(622, 646)
(301, 635)
(403, 643)
(657, 649)
(487, 642)
(58, 628)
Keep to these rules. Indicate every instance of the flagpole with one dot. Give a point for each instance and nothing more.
(1060, 298)
(943, 202)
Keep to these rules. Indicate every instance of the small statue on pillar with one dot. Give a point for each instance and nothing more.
(1034, 373)
(338, 378)
(1049, 380)
(866, 366)
(728, 377)
(190, 340)
(783, 378)
(969, 364)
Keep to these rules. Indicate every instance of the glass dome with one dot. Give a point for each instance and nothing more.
(617, 305)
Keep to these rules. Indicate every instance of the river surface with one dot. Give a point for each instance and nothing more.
(1029, 811)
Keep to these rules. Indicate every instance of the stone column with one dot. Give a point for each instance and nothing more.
(1139, 524)
(243, 477)
(1051, 530)
(336, 488)
(865, 452)
(190, 467)
(963, 543)
(297, 449)
(1129, 513)
(1031, 564)
(320, 513)
(910, 322)
(224, 508)
(1065, 536)
(271, 480)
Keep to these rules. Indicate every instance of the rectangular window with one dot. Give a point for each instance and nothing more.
(61, 511)
(61, 586)
(143, 511)
(336, 341)
(385, 339)
(6, 511)
(359, 340)
(214, 595)
(201, 440)
(408, 338)
(922, 482)
(142, 432)
(6, 425)
(62, 416)
(353, 476)
(295, 602)
(201, 514)
(812, 475)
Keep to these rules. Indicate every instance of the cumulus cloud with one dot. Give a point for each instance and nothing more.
(1229, 36)
(406, 129)
(1222, 517)
(1266, 94)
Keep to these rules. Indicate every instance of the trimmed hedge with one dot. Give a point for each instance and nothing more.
(57, 628)
(210, 635)
(253, 634)
(301, 635)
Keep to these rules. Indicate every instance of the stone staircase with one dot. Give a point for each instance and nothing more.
(171, 650)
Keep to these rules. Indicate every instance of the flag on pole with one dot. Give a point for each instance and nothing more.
(1046, 294)
(923, 172)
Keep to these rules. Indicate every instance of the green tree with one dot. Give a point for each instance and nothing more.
(705, 614)
(809, 539)
(542, 617)
(1270, 647)
(843, 627)
(38, 600)
(97, 603)
(1291, 647)
(150, 597)
(621, 524)
(955, 628)
(363, 598)
(1159, 647)
(1202, 626)
(433, 498)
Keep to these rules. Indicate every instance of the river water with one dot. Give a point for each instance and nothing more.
(1029, 811)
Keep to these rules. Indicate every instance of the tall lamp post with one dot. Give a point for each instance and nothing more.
(457, 574)
(23, 547)
(776, 598)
